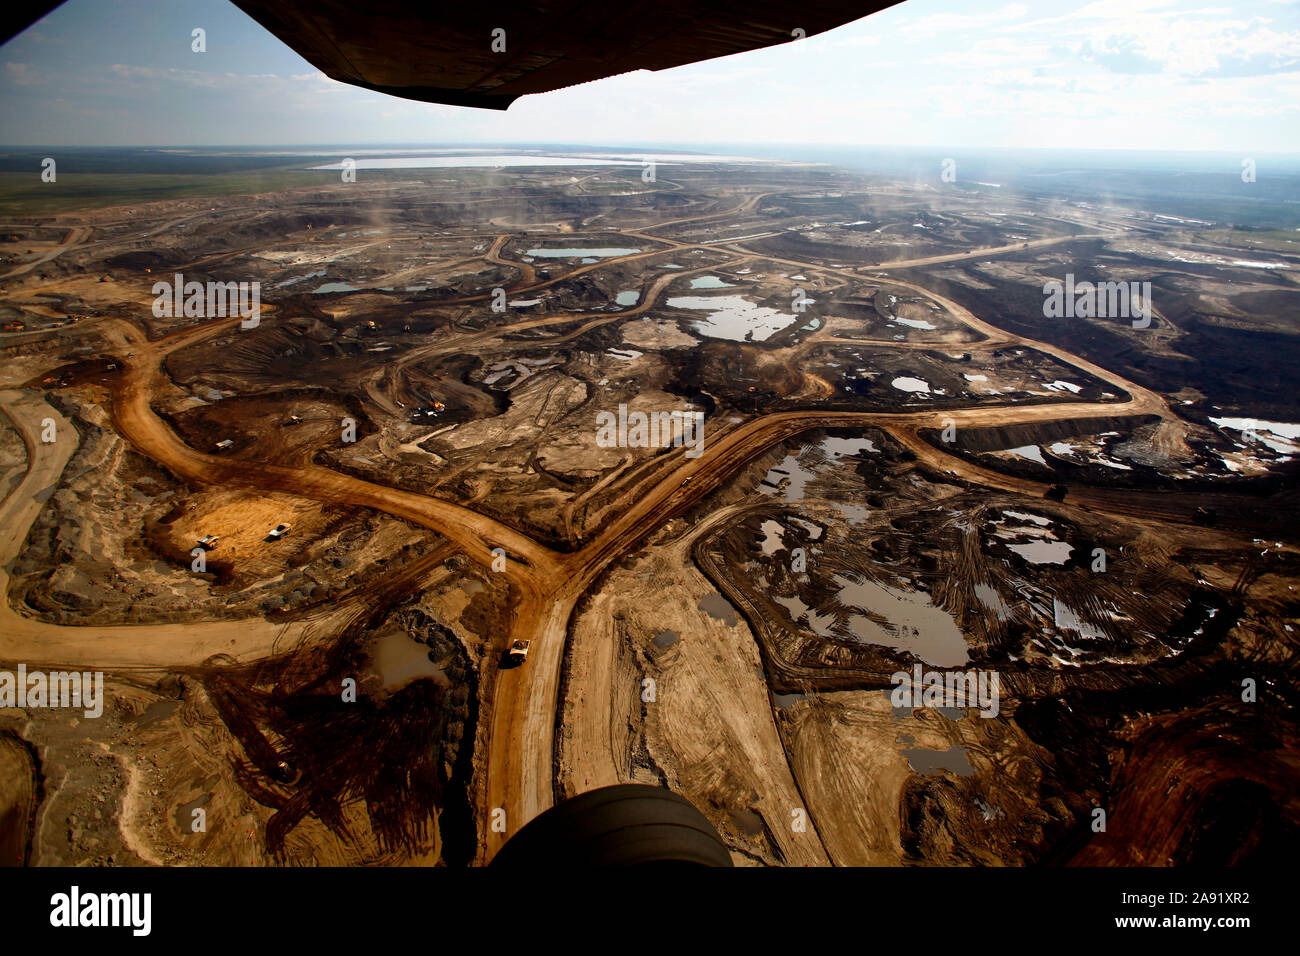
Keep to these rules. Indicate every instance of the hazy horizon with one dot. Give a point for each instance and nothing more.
(702, 147)
(922, 74)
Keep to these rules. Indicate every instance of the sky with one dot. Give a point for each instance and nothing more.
(1058, 74)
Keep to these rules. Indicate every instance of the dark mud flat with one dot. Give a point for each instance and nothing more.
(21, 794)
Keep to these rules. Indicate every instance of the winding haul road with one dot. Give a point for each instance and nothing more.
(545, 584)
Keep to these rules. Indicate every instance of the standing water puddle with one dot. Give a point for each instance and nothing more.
(928, 761)
(911, 622)
(825, 453)
(399, 660)
(734, 317)
(718, 608)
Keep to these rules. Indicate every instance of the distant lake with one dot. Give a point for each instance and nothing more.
(427, 162)
(538, 159)
(574, 253)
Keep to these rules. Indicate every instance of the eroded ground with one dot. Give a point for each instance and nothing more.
(905, 463)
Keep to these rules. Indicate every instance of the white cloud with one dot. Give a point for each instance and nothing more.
(20, 74)
(935, 24)
(865, 39)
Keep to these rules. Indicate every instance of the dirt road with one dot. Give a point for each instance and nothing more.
(35, 643)
(75, 237)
